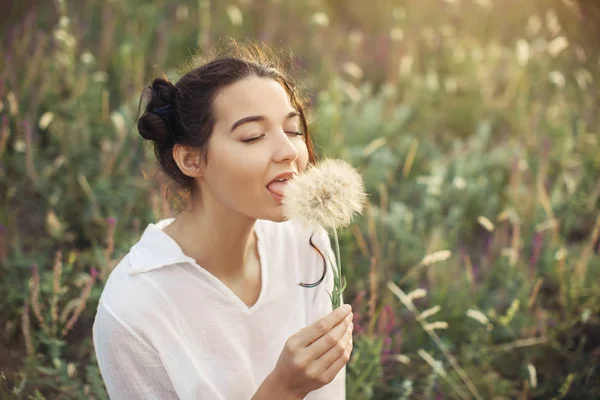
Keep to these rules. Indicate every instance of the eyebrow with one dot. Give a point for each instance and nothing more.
(259, 118)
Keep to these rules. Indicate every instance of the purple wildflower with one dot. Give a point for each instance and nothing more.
(538, 241)
(386, 350)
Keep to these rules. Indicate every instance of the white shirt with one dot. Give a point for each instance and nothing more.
(166, 328)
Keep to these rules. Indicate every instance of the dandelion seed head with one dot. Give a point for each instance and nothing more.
(327, 194)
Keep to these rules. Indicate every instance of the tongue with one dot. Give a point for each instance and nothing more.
(277, 187)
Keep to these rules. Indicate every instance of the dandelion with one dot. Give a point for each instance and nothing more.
(327, 195)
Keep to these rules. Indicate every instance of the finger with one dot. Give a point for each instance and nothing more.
(326, 342)
(339, 363)
(336, 351)
(322, 326)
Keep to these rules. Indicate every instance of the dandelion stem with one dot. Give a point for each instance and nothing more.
(339, 263)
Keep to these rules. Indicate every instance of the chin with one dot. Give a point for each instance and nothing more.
(275, 215)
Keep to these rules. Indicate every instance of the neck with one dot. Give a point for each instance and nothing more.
(221, 241)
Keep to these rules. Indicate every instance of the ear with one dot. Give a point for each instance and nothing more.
(189, 160)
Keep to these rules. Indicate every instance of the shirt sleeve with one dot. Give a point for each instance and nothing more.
(130, 367)
(336, 389)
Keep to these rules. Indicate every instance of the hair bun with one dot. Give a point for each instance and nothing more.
(152, 126)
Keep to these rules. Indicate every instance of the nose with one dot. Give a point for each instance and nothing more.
(285, 150)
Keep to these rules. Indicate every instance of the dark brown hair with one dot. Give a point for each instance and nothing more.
(182, 113)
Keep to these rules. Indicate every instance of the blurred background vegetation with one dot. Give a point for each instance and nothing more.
(474, 273)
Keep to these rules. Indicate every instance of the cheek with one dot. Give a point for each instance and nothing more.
(231, 170)
(302, 160)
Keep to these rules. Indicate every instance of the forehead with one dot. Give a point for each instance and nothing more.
(251, 96)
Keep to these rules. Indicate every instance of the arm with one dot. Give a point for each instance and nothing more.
(270, 389)
(130, 367)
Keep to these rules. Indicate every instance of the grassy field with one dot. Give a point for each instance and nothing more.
(474, 272)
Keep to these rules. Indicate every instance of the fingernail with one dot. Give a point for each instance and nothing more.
(346, 308)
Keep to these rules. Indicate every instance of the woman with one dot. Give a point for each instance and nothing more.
(207, 304)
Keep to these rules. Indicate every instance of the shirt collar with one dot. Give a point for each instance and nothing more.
(155, 249)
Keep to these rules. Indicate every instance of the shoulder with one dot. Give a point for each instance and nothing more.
(131, 300)
(292, 233)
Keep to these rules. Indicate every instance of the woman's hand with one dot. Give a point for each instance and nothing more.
(313, 357)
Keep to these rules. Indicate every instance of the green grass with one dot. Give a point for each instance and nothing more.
(475, 130)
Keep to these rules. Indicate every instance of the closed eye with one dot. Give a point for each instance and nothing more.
(254, 139)
(257, 138)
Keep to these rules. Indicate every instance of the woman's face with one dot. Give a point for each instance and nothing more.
(255, 139)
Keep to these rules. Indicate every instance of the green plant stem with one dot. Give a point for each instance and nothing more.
(338, 260)
(408, 303)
